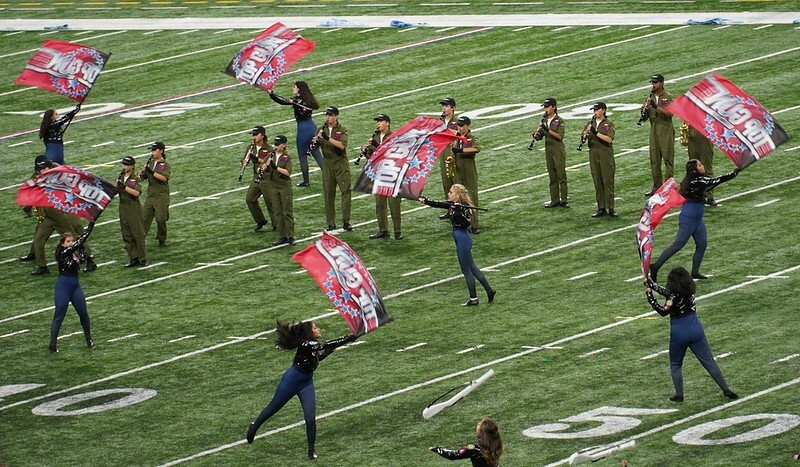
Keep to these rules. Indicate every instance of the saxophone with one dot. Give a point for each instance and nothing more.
(684, 134)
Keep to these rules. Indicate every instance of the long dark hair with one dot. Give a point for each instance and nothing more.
(47, 120)
(290, 335)
(489, 441)
(691, 174)
(60, 247)
(680, 282)
(305, 94)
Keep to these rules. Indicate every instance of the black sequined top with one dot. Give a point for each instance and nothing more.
(69, 259)
(699, 186)
(54, 133)
(310, 353)
(473, 452)
(677, 306)
(460, 215)
(302, 110)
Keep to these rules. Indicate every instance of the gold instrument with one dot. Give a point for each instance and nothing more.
(39, 213)
(587, 130)
(684, 134)
(645, 108)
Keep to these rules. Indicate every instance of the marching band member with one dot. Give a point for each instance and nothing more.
(601, 159)
(258, 153)
(281, 191)
(332, 138)
(382, 131)
(662, 133)
(552, 130)
(130, 213)
(446, 158)
(486, 453)
(157, 173)
(466, 170)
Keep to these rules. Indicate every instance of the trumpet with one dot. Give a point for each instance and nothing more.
(540, 132)
(365, 147)
(587, 130)
(645, 108)
(264, 167)
(314, 142)
(248, 154)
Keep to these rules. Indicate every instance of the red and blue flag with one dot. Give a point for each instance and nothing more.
(69, 189)
(655, 208)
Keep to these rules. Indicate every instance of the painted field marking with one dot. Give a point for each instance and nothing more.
(361, 196)
(796, 147)
(98, 145)
(183, 33)
(181, 338)
(69, 335)
(762, 27)
(403, 349)
(202, 198)
(445, 29)
(503, 200)
(19, 144)
(152, 265)
(502, 147)
(257, 268)
(328, 31)
(223, 31)
(13, 33)
(766, 203)
(406, 30)
(152, 32)
(529, 273)
(352, 344)
(9, 260)
(654, 355)
(594, 352)
(83, 33)
(217, 263)
(634, 279)
(524, 28)
(640, 27)
(470, 349)
(302, 271)
(780, 360)
(129, 336)
(723, 355)
(23, 331)
(721, 27)
(581, 276)
(48, 33)
(303, 198)
(368, 30)
(600, 28)
(563, 28)
(106, 263)
(752, 276)
(411, 273)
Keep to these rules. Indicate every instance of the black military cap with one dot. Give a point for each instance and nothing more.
(382, 117)
(598, 105)
(548, 102)
(157, 145)
(280, 139)
(448, 101)
(128, 160)
(657, 79)
(463, 120)
(41, 162)
(332, 110)
(259, 129)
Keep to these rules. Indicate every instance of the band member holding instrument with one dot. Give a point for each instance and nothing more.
(486, 453)
(382, 132)
(258, 153)
(466, 170)
(304, 104)
(702, 149)
(552, 129)
(446, 159)
(601, 159)
(157, 173)
(460, 208)
(281, 191)
(332, 136)
(51, 132)
(662, 133)
(129, 187)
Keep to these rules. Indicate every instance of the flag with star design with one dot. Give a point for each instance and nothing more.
(655, 208)
(401, 164)
(344, 279)
(734, 121)
(65, 68)
(69, 189)
(262, 61)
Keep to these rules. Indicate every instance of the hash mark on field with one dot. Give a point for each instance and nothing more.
(726, 354)
(181, 339)
(762, 27)
(223, 31)
(561, 28)
(48, 33)
(309, 197)
(203, 198)
(331, 30)
(83, 33)
(634, 278)
(796, 147)
(69, 335)
(502, 147)
(254, 269)
(10, 260)
(766, 203)
(368, 30)
(352, 344)
(581, 276)
(600, 28)
(640, 27)
(19, 144)
(721, 27)
(406, 30)
(479, 346)
(123, 337)
(106, 263)
(13, 33)
(593, 352)
(504, 199)
(415, 272)
(231, 145)
(14, 333)
(766, 277)
(403, 349)
(302, 271)
(364, 195)
(529, 273)
(153, 32)
(152, 265)
(98, 145)
(780, 360)
(445, 29)
(187, 32)
(654, 355)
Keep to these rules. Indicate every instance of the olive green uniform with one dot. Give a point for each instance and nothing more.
(130, 219)
(157, 203)
(602, 165)
(702, 149)
(381, 202)
(50, 220)
(467, 171)
(335, 172)
(258, 189)
(281, 196)
(662, 140)
(446, 159)
(556, 159)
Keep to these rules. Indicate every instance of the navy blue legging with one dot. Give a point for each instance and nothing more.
(690, 224)
(687, 333)
(68, 289)
(305, 132)
(55, 152)
(294, 382)
(467, 263)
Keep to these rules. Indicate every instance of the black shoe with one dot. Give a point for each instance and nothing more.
(599, 213)
(312, 455)
(290, 240)
(382, 234)
(281, 241)
(552, 204)
(260, 225)
(162, 243)
(90, 265)
(491, 295)
(302, 185)
(347, 227)
(676, 398)
(564, 204)
(330, 227)
(654, 273)
(697, 275)
(251, 433)
(41, 271)
(133, 263)
(730, 394)
(398, 235)
(444, 216)
(471, 302)
(89, 342)
(28, 257)
(143, 264)
(612, 213)
(28, 211)
(650, 193)
(53, 348)
(476, 231)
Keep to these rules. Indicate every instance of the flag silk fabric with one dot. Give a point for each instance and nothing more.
(69, 189)
(655, 208)
(400, 165)
(734, 121)
(344, 279)
(65, 68)
(266, 58)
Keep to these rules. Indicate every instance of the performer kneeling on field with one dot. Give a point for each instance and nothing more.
(685, 330)
(298, 380)
(484, 454)
(459, 208)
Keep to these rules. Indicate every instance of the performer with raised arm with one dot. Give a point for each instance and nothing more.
(298, 380)
(459, 209)
(487, 451)
(51, 132)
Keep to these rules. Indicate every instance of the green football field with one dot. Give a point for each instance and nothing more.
(185, 356)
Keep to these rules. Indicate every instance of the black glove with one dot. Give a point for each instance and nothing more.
(545, 129)
(458, 150)
(654, 103)
(593, 130)
(148, 169)
(272, 166)
(736, 171)
(374, 143)
(325, 136)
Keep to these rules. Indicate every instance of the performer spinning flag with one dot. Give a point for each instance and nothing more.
(65, 68)
(734, 121)
(69, 189)
(344, 278)
(400, 165)
(655, 208)
(266, 58)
